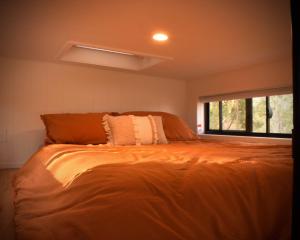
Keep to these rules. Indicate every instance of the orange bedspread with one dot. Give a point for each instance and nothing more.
(196, 190)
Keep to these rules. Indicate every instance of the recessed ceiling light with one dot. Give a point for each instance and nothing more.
(160, 37)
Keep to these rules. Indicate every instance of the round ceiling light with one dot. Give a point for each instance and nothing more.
(160, 37)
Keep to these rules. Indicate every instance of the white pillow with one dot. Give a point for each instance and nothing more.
(134, 130)
(145, 130)
(162, 139)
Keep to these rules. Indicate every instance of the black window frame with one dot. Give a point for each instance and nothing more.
(249, 121)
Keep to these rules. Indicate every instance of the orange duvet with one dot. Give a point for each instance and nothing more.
(192, 190)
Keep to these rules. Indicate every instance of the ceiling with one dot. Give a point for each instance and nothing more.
(205, 36)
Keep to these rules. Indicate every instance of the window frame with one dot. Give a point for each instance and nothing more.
(249, 122)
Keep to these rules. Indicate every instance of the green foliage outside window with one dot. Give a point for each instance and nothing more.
(282, 118)
(234, 114)
(214, 115)
(259, 114)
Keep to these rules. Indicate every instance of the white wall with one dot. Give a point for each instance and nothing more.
(30, 88)
(270, 75)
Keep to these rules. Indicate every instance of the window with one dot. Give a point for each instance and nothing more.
(270, 116)
(259, 114)
(214, 115)
(233, 112)
(281, 120)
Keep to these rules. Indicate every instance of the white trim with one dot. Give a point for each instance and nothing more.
(287, 141)
(69, 44)
(103, 50)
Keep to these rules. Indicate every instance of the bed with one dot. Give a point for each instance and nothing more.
(199, 189)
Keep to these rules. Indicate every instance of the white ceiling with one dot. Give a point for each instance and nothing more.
(206, 36)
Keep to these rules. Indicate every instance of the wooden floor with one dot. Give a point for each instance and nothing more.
(6, 204)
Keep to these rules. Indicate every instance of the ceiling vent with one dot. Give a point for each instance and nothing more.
(108, 57)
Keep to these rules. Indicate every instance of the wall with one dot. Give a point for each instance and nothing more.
(270, 75)
(30, 88)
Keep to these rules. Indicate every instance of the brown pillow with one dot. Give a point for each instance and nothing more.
(75, 128)
(175, 128)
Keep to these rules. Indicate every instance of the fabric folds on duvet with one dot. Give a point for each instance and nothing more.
(187, 190)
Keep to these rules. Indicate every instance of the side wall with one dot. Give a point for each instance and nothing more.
(30, 88)
(271, 75)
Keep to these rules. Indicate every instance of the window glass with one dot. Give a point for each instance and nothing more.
(269, 116)
(234, 114)
(214, 115)
(281, 114)
(259, 114)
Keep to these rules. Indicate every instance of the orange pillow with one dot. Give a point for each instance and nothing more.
(175, 128)
(75, 128)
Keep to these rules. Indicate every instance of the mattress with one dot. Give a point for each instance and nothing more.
(184, 190)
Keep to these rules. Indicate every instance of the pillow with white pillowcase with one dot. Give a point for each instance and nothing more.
(134, 130)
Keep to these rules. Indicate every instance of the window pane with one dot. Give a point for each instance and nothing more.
(282, 113)
(234, 114)
(259, 114)
(214, 115)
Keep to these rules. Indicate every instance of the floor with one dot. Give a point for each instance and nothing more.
(6, 204)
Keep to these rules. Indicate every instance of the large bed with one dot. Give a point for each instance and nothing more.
(183, 190)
